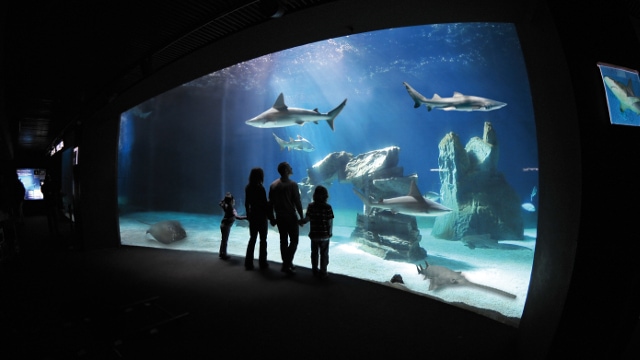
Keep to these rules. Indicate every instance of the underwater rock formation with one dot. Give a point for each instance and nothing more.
(324, 172)
(377, 164)
(389, 236)
(390, 187)
(483, 201)
(375, 174)
(329, 169)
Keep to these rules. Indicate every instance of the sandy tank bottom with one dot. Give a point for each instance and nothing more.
(507, 270)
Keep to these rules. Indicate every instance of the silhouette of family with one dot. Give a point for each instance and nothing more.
(282, 208)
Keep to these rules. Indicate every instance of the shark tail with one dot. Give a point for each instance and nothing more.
(494, 290)
(365, 201)
(418, 99)
(333, 113)
(279, 141)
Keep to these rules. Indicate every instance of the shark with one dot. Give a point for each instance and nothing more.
(298, 144)
(484, 241)
(411, 204)
(624, 94)
(280, 115)
(440, 277)
(458, 102)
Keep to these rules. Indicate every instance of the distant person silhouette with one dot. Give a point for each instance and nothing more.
(320, 213)
(5, 197)
(51, 193)
(11, 198)
(18, 192)
(258, 214)
(230, 215)
(284, 196)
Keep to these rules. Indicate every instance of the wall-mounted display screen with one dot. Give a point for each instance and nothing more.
(621, 85)
(424, 136)
(32, 180)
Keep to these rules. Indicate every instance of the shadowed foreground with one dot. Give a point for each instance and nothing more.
(130, 302)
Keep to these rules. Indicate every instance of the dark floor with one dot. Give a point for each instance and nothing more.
(133, 303)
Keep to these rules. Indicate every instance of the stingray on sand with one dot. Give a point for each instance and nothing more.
(167, 231)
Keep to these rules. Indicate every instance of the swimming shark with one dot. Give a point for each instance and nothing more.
(298, 144)
(458, 102)
(624, 94)
(280, 115)
(411, 204)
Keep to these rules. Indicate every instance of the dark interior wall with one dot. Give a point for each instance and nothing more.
(559, 179)
(579, 151)
(95, 182)
(602, 305)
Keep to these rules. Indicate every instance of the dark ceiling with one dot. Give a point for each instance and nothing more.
(64, 59)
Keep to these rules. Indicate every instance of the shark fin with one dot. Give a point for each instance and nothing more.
(279, 141)
(414, 191)
(279, 104)
(300, 122)
(457, 94)
(436, 96)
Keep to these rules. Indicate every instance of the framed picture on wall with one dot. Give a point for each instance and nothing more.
(621, 86)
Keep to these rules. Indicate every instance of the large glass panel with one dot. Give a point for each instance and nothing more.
(424, 136)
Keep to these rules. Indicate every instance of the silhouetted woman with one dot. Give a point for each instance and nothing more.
(258, 214)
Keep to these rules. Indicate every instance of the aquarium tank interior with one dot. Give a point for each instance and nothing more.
(32, 179)
(425, 137)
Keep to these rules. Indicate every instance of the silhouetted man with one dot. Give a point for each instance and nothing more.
(284, 195)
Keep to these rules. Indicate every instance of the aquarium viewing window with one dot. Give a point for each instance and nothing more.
(424, 136)
(32, 180)
(620, 86)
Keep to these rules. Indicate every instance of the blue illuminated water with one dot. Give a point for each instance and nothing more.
(182, 150)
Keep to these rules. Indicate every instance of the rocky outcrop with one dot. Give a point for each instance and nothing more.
(377, 175)
(377, 164)
(389, 236)
(332, 168)
(483, 202)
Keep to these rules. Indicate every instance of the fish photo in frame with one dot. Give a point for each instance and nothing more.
(620, 86)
